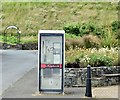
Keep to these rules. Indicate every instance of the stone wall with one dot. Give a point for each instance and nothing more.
(75, 77)
(25, 46)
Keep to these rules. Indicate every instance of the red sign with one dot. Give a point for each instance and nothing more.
(51, 65)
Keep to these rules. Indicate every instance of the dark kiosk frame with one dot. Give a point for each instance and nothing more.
(62, 86)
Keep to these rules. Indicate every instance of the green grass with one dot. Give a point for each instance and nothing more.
(25, 39)
(33, 16)
(30, 38)
(69, 36)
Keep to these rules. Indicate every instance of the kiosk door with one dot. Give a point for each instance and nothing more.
(51, 61)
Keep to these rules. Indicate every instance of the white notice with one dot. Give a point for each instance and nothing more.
(56, 59)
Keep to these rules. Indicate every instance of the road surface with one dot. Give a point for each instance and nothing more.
(26, 87)
(15, 63)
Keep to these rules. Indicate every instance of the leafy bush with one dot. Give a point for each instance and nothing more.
(68, 36)
(72, 29)
(95, 57)
(83, 29)
(100, 60)
(90, 28)
(95, 60)
(116, 28)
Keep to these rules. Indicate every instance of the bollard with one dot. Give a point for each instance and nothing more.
(88, 82)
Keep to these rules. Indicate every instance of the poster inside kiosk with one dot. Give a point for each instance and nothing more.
(51, 60)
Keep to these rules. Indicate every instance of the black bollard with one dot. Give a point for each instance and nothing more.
(88, 82)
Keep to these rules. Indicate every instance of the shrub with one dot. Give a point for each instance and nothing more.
(87, 41)
(83, 29)
(77, 43)
(100, 60)
(116, 28)
(115, 25)
(67, 44)
(95, 57)
(82, 60)
(68, 36)
(72, 29)
(90, 28)
(91, 41)
(73, 43)
(94, 60)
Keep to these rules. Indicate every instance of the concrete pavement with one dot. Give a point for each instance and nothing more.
(107, 92)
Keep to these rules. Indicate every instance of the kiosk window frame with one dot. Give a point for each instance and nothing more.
(39, 68)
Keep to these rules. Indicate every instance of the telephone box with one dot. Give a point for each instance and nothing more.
(51, 60)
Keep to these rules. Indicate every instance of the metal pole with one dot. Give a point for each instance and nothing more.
(88, 82)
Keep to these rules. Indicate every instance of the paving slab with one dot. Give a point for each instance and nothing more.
(107, 92)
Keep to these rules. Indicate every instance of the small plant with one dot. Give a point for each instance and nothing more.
(109, 40)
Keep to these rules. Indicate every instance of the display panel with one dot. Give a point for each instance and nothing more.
(51, 50)
(51, 61)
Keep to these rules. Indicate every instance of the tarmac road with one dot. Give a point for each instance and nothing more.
(15, 63)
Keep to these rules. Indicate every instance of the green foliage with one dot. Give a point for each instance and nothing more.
(10, 39)
(72, 29)
(95, 60)
(69, 36)
(93, 56)
(83, 29)
(90, 19)
(90, 28)
(109, 39)
(24, 39)
(100, 60)
(116, 28)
